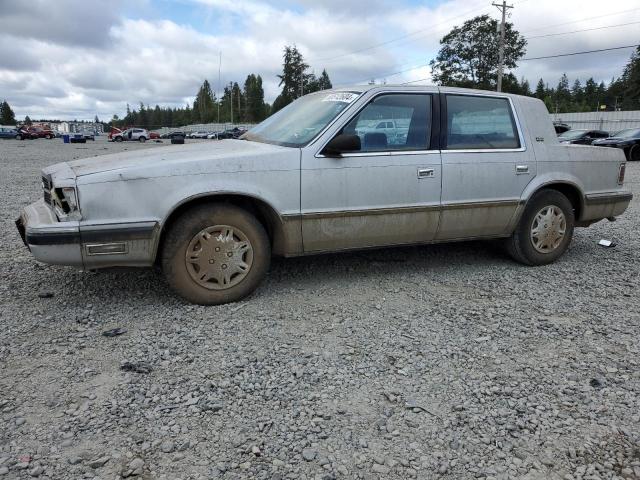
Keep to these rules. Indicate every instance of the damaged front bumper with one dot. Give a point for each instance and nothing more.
(49, 240)
(86, 246)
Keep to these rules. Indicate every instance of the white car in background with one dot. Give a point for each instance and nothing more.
(132, 134)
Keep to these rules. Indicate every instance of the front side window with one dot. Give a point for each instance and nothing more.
(393, 122)
(480, 123)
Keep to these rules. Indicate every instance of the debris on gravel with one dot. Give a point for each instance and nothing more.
(444, 361)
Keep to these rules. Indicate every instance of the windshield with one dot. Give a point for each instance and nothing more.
(572, 134)
(629, 133)
(299, 122)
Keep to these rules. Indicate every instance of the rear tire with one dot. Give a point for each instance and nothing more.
(634, 153)
(215, 254)
(545, 229)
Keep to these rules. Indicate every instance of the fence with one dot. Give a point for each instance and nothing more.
(204, 127)
(608, 121)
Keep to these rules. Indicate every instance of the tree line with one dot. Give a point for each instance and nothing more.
(236, 105)
(468, 58)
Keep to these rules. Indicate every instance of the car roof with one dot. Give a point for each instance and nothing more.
(419, 88)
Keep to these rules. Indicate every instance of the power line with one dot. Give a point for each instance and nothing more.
(582, 20)
(540, 58)
(578, 31)
(578, 53)
(416, 81)
(396, 39)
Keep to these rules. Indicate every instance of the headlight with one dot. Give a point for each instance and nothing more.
(69, 195)
(66, 204)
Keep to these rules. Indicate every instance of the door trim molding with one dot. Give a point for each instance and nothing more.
(401, 210)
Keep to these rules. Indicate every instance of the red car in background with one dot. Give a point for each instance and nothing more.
(31, 133)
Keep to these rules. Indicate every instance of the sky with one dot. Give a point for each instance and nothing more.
(74, 59)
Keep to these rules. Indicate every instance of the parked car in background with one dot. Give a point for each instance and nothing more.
(582, 137)
(177, 137)
(627, 140)
(394, 133)
(231, 133)
(25, 133)
(154, 136)
(213, 135)
(8, 132)
(31, 133)
(132, 135)
(199, 135)
(487, 165)
(42, 132)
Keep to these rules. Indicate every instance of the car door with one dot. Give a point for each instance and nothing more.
(387, 193)
(485, 165)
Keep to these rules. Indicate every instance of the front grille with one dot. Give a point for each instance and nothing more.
(47, 185)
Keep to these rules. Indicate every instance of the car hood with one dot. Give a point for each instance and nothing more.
(196, 158)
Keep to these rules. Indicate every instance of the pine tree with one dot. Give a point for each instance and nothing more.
(204, 108)
(254, 98)
(631, 82)
(27, 120)
(294, 79)
(541, 90)
(324, 82)
(562, 97)
(7, 117)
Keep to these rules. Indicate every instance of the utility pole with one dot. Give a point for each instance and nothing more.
(301, 82)
(219, 85)
(231, 100)
(503, 7)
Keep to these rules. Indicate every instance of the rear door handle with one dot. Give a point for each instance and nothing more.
(426, 173)
(522, 169)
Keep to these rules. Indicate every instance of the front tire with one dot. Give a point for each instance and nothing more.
(117, 139)
(142, 139)
(545, 229)
(634, 153)
(215, 254)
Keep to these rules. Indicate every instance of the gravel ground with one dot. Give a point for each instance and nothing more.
(447, 361)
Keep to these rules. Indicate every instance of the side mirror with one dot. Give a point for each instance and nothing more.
(342, 144)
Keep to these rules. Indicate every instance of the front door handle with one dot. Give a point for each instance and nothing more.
(522, 169)
(426, 173)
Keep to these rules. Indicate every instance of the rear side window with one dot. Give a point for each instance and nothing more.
(480, 123)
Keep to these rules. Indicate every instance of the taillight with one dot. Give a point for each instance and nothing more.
(621, 172)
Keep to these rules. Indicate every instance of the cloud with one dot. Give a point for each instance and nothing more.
(85, 58)
(18, 57)
(67, 22)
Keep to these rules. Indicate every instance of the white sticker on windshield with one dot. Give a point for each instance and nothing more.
(345, 97)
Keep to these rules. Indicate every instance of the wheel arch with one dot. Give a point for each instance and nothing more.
(265, 213)
(569, 189)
